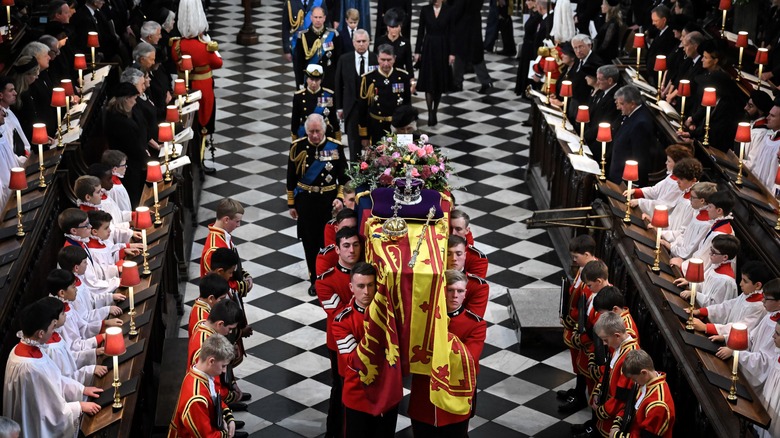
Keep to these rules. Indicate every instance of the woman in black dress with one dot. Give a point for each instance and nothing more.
(144, 111)
(434, 54)
(125, 134)
(402, 48)
(607, 43)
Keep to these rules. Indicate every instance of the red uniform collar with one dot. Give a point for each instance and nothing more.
(85, 207)
(775, 317)
(725, 269)
(116, 180)
(96, 243)
(755, 297)
(703, 215)
(55, 337)
(25, 350)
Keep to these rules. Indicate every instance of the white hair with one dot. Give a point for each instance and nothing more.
(192, 20)
(581, 37)
(314, 118)
(563, 22)
(149, 28)
(169, 22)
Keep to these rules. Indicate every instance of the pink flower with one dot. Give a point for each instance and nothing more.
(380, 148)
(363, 165)
(428, 149)
(435, 169)
(415, 172)
(420, 152)
(387, 171)
(396, 155)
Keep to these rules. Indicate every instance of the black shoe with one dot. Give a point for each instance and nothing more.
(589, 432)
(485, 88)
(432, 120)
(237, 406)
(571, 405)
(507, 53)
(246, 396)
(241, 434)
(239, 424)
(208, 170)
(312, 291)
(527, 124)
(563, 395)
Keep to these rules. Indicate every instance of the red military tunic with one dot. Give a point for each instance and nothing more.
(205, 58)
(348, 332)
(477, 294)
(577, 291)
(200, 333)
(476, 262)
(617, 387)
(471, 330)
(655, 412)
(196, 409)
(200, 311)
(330, 233)
(216, 239)
(326, 258)
(586, 366)
(334, 294)
(628, 320)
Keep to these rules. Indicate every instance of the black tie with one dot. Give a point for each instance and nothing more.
(362, 65)
(352, 34)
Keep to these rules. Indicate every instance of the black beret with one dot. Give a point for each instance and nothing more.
(761, 100)
(404, 116)
(125, 89)
(394, 17)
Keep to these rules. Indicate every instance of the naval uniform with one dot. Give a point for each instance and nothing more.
(380, 95)
(321, 47)
(307, 102)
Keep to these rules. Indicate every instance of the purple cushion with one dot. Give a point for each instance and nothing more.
(382, 203)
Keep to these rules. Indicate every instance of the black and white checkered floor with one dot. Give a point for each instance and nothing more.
(287, 370)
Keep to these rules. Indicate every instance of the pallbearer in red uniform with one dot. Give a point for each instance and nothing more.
(200, 411)
(477, 290)
(476, 260)
(213, 289)
(428, 420)
(651, 411)
(195, 42)
(327, 257)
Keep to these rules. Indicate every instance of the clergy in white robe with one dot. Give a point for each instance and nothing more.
(770, 396)
(7, 162)
(758, 131)
(12, 126)
(764, 165)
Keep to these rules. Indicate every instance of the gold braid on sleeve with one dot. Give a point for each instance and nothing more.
(299, 160)
(296, 22)
(308, 52)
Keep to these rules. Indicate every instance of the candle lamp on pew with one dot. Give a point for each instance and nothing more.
(604, 135)
(660, 67)
(115, 347)
(737, 341)
(40, 137)
(694, 275)
(143, 220)
(18, 182)
(165, 136)
(549, 66)
(186, 66)
(154, 175)
(742, 42)
(180, 91)
(565, 93)
(659, 221)
(724, 6)
(630, 174)
(683, 90)
(708, 100)
(80, 64)
(129, 279)
(743, 136)
(58, 101)
(67, 85)
(93, 43)
(8, 4)
(762, 58)
(639, 42)
(583, 117)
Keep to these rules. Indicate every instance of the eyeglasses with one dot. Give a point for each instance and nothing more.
(714, 252)
(84, 226)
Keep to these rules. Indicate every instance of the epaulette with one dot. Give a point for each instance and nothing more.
(403, 71)
(330, 29)
(479, 253)
(212, 46)
(473, 315)
(300, 139)
(367, 73)
(343, 314)
(324, 274)
(327, 249)
(476, 277)
(334, 140)
(327, 89)
(332, 222)
(173, 40)
(301, 91)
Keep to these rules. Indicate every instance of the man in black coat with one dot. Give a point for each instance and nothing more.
(89, 18)
(468, 46)
(348, 77)
(586, 65)
(602, 105)
(663, 42)
(528, 49)
(634, 138)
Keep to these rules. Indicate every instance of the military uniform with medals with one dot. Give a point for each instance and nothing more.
(306, 102)
(317, 47)
(380, 95)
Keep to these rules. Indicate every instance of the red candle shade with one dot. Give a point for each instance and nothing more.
(164, 132)
(171, 114)
(58, 97)
(39, 134)
(639, 40)
(8, 2)
(92, 39)
(631, 171)
(660, 63)
(549, 64)
(724, 5)
(738, 336)
(695, 272)
(153, 172)
(583, 116)
(604, 133)
(67, 85)
(742, 39)
(684, 88)
(79, 61)
(710, 97)
(186, 62)
(130, 276)
(566, 89)
(115, 342)
(762, 56)
(179, 88)
(143, 218)
(18, 179)
(660, 216)
(743, 133)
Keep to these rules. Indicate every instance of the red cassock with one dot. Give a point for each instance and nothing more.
(618, 389)
(334, 294)
(200, 311)
(655, 414)
(471, 330)
(196, 411)
(204, 59)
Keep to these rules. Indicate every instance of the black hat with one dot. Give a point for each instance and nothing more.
(125, 89)
(613, 3)
(394, 17)
(761, 100)
(567, 48)
(404, 116)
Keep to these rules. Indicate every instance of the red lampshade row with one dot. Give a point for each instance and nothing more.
(58, 97)
(684, 88)
(79, 61)
(660, 216)
(724, 5)
(762, 56)
(8, 2)
(631, 171)
(186, 62)
(143, 218)
(738, 336)
(604, 133)
(164, 132)
(549, 64)
(179, 88)
(710, 97)
(18, 179)
(660, 63)
(39, 134)
(565, 89)
(153, 172)
(583, 116)
(743, 133)
(742, 39)
(130, 276)
(695, 272)
(639, 40)
(115, 342)
(171, 114)
(92, 39)
(67, 85)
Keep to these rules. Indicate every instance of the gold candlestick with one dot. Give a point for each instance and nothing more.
(8, 14)
(627, 218)
(117, 401)
(689, 325)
